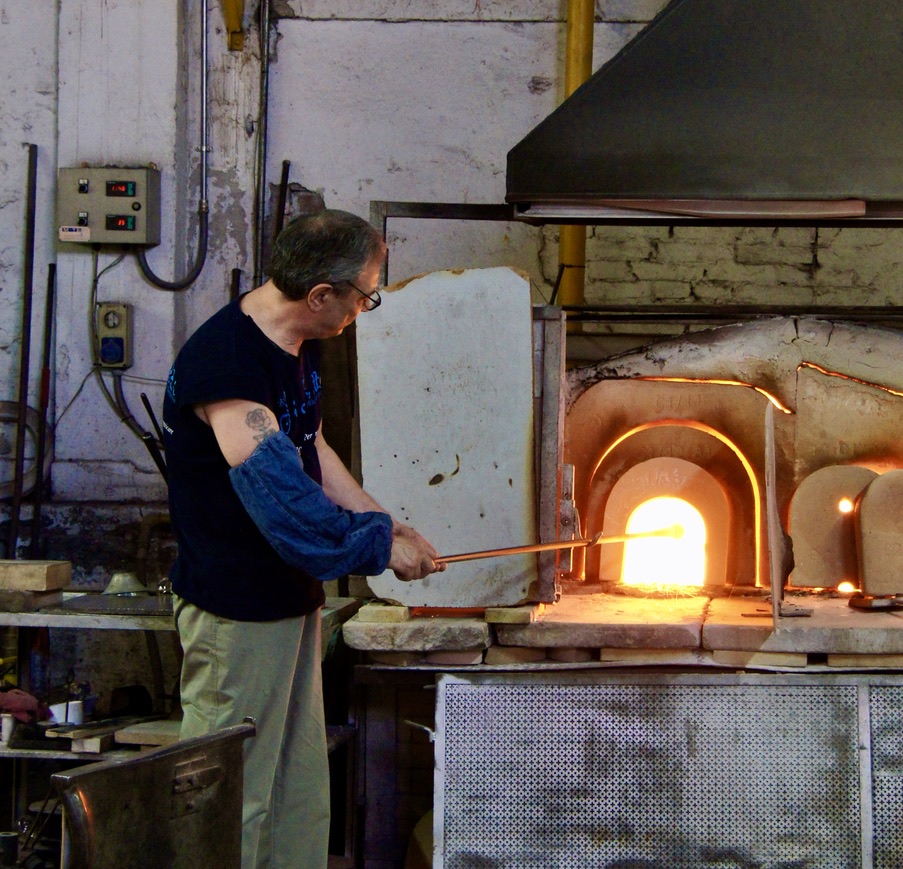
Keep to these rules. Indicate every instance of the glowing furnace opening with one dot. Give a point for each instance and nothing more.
(665, 561)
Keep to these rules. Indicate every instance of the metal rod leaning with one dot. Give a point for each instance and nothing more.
(675, 531)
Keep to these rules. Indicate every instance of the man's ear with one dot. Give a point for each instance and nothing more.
(316, 297)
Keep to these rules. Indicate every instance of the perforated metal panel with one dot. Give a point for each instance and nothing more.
(886, 712)
(664, 775)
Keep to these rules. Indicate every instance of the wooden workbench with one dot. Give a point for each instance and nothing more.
(68, 615)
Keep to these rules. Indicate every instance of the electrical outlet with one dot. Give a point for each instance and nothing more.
(114, 335)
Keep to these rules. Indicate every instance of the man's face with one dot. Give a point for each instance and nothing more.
(342, 309)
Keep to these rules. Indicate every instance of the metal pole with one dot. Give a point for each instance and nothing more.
(283, 198)
(28, 277)
(38, 497)
(578, 67)
(675, 531)
(260, 211)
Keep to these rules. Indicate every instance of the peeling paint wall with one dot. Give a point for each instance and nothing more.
(421, 102)
(368, 99)
(27, 116)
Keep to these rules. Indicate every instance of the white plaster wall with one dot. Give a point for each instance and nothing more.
(27, 116)
(421, 102)
(119, 75)
(127, 93)
(369, 99)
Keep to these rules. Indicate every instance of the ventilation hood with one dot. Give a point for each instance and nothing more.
(730, 111)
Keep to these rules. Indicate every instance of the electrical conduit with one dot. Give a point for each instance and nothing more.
(578, 67)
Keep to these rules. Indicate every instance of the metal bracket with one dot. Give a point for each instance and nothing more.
(193, 786)
(867, 602)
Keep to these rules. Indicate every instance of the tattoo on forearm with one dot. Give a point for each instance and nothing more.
(258, 421)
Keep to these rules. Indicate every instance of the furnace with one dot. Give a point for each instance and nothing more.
(711, 698)
(686, 419)
(797, 413)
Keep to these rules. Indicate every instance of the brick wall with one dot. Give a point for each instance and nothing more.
(730, 265)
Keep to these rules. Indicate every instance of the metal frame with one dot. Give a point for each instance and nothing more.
(381, 210)
(549, 342)
(548, 372)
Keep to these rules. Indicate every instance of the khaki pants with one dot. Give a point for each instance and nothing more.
(268, 671)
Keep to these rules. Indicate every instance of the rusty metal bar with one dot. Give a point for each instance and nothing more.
(727, 313)
(670, 531)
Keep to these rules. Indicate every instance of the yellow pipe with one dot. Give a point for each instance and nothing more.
(578, 68)
(233, 17)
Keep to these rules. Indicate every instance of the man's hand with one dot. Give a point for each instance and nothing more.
(413, 557)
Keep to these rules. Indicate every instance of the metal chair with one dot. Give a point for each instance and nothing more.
(178, 806)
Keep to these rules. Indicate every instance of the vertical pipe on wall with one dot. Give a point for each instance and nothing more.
(205, 119)
(22, 404)
(578, 67)
(283, 198)
(200, 256)
(34, 550)
(233, 16)
(260, 209)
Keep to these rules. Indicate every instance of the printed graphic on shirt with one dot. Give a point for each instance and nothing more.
(289, 410)
(311, 389)
(171, 383)
(284, 406)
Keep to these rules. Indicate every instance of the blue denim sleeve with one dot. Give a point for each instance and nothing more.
(297, 519)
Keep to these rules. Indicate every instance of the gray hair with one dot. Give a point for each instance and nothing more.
(329, 246)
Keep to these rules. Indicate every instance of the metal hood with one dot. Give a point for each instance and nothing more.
(730, 111)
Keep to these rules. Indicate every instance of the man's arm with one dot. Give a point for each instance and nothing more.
(340, 487)
(414, 551)
(240, 426)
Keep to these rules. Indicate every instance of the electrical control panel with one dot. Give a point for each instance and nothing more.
(109, 205)
(113, 324)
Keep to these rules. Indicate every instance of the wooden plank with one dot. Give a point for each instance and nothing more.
(741, 658)
(34, 575)
(97, 728)
(28, 601)
(149, 733)
(92, 744)
(57, 616)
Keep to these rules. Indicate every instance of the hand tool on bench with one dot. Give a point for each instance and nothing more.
(675, 531)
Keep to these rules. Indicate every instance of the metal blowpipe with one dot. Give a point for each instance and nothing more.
(675, 531)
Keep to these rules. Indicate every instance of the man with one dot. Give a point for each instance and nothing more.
(264, 511)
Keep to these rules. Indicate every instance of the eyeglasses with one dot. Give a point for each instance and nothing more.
(373, 299)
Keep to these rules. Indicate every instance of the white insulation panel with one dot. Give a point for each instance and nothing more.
(445, 370)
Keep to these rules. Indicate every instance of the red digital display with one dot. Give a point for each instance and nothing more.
(121, 188)
(123, 222)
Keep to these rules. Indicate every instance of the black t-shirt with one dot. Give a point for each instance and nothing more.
(224, 563)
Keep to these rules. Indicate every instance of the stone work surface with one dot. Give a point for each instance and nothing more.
(650, 631)
(833, 627)
(418, 635)
(613, 620)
